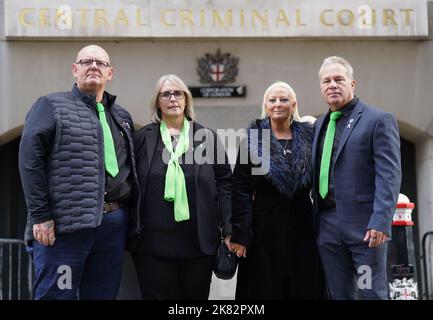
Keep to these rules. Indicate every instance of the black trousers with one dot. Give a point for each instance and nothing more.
(173, 278)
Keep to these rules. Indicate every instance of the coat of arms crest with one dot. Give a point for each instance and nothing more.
(218, 68)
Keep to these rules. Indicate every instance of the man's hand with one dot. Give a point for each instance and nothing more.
(44, 233)
(375, 238)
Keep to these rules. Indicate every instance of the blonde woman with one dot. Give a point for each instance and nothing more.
(272, 213)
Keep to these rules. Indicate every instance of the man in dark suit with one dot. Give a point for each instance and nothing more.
(357, 176)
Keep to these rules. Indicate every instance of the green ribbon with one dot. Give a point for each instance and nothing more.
(175, 186)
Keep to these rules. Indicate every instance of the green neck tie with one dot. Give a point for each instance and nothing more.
(110, 153)
(175, 186)
(326, 154)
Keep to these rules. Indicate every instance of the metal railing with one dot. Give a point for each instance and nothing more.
(16, 271)
(427, 265)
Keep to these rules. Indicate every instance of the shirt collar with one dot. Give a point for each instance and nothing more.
(348, 108)
(107, 99)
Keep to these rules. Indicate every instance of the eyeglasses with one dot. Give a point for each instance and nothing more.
(86, 63)
(166, 95)
(282, 101)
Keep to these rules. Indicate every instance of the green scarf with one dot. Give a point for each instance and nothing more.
(175, 186)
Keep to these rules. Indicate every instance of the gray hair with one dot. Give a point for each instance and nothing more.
(176, 81)
(292, 98)
(335, 59)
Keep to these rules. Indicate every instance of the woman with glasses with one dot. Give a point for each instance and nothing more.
(186, 197)
(272, 214)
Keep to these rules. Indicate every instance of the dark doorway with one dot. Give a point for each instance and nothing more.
(15, 270)
(408, 188)
(12, 204)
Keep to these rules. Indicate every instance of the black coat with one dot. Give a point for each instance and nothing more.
(273, 216)
(213, 182)
(61, 161)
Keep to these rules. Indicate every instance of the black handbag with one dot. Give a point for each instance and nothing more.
(226, 262)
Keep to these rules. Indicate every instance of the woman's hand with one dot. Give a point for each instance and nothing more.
(240, 250)
(227, 241)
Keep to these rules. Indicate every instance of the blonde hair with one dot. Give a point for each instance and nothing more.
(176, 81)
(292, 98)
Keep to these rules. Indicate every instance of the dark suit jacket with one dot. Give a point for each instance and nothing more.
(213, 181)
(367, 169)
